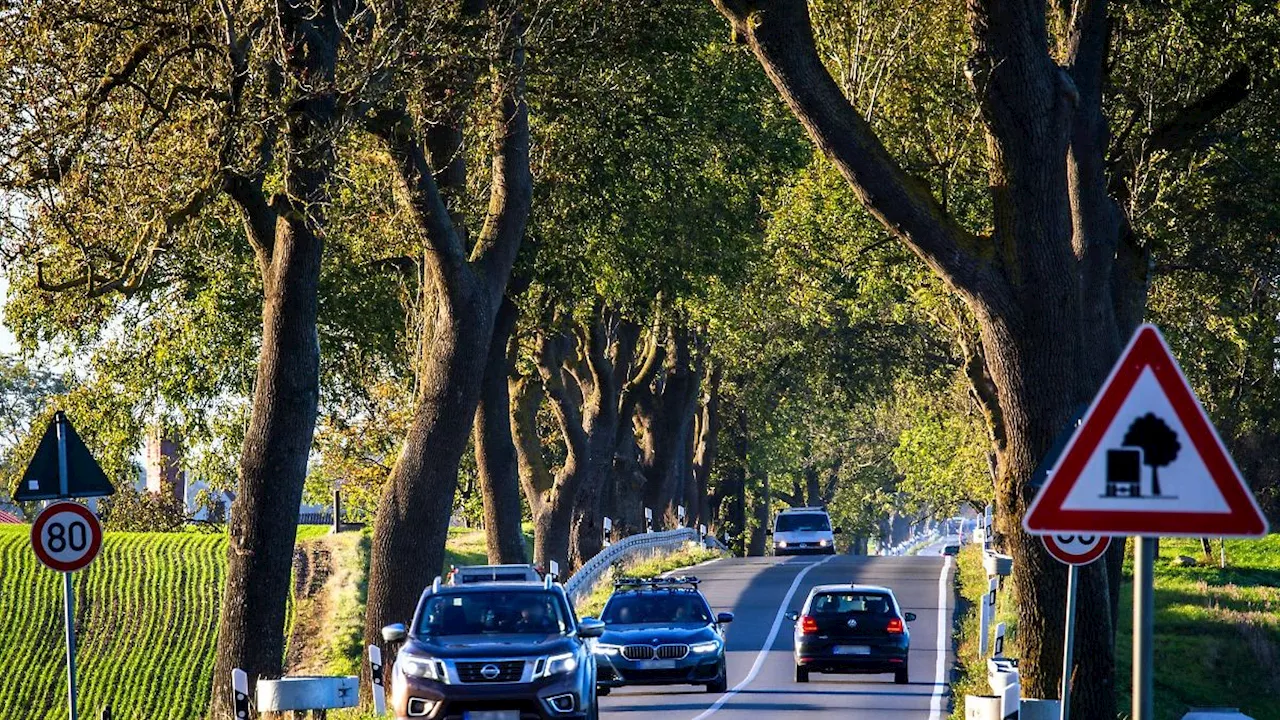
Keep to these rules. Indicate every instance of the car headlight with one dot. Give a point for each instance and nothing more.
(421, 667)
(824, 542)
(560, 665)
(705, 647)
(607, 649)
(782, 543)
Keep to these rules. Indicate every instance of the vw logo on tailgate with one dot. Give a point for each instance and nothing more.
(490, 672)
(852, 623)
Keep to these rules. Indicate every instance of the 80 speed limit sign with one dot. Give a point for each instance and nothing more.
(66, 536)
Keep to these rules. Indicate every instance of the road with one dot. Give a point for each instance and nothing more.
(935, 549)
(762, 682)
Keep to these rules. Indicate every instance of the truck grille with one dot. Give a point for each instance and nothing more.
(661, 652)
(507, 671)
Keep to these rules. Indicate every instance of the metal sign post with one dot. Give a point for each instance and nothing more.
(1069, 643)
(68, 591)
(1144, 615)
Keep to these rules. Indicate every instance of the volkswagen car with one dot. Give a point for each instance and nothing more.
(803, 531)
(661, 631)
(497, 651)
(852, 629)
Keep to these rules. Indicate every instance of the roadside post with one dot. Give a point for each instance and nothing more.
(1144, 415)
(648, 520)
(608, 531)
(375, 677)
(240, 694)
(680, 515)
(65, 536)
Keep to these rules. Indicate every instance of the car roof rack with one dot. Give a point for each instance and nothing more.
(683, 582)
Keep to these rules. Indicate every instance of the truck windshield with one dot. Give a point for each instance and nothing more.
(802, 522)
(644, 608)
(488, 613)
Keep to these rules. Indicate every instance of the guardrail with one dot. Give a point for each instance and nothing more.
(625, 549)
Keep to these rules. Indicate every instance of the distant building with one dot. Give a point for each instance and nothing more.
(8, 518)
(163, 464)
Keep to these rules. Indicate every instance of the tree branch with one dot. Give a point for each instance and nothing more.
(780, 34)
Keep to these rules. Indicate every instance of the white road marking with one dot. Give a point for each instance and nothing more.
(944, 643)
(768, 643)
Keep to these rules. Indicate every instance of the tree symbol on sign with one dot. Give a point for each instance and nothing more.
(1159, 445)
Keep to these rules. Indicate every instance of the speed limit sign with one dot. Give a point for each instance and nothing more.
(1076, 549)
(66, 536)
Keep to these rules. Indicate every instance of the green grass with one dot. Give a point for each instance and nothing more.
(1217, 631)
(688, 556)
(147, 617)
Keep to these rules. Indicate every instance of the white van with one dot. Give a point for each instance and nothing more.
(804, 531)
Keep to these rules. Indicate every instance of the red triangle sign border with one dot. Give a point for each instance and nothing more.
(1147, 349)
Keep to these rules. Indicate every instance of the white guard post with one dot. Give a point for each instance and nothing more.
(608, 531)
(553, 569)
(379, 684)
(240, 694)
(680, 514)
(648, 520)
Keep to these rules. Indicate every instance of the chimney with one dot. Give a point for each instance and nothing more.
(163, 462)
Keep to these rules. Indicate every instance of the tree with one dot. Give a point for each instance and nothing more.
(1052, 272)
(1159, 445)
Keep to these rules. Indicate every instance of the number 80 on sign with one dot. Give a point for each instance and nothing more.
(66, 536)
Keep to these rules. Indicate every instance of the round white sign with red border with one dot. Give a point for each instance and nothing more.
(1076, 549)
(66, 536)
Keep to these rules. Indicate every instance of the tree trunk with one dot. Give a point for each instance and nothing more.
(760, 530)
(495, 453)
(277, 444)
(708, 437)
(666, 418)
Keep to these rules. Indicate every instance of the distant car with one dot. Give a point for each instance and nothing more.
(951, 550)
(661, 631)
(500, 651)
(468, 574)
(803, 531)
(846, 629)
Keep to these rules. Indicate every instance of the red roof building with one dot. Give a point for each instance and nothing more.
(9, 518)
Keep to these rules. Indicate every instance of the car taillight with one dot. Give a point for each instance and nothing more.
(895, 627)
(808, 625)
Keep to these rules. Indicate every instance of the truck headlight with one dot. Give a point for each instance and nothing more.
(560, 665)
(420, 667)
(705, 647)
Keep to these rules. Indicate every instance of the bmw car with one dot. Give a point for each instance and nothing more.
(661, 631)
(852, 629)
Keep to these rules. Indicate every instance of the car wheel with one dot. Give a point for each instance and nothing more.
(602, 691)
(900, 676)
(721, 683)
(802, 675)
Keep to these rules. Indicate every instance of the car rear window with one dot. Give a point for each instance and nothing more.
(851, 603)
(802, 522)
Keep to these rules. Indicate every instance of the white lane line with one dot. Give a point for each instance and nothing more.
(768, 643)
(944, 643)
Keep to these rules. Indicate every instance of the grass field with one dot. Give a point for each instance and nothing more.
(146, 616)
(1217, 631)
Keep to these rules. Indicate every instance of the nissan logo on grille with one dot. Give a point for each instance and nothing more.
(490, 672)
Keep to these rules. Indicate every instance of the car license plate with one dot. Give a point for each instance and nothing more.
(491, 715)
(656, 665)
(853, 650)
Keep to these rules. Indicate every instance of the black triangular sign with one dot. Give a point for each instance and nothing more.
(84, 477)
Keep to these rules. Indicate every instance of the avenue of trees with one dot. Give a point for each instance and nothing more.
(514, 262)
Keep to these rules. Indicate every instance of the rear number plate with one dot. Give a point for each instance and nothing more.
(491, 715)
(853, 650)
(655, 665)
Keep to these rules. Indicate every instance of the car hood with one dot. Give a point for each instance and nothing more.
(489, 646)
(657, 634)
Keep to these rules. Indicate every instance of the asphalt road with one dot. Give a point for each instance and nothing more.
(762, 681)
(936, 548)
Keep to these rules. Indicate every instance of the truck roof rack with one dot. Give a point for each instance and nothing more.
(686, 582)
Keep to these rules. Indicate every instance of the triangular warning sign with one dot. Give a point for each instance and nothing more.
(41, 481)
(1146, 460)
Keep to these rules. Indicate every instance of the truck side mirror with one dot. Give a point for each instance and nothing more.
(394, 633)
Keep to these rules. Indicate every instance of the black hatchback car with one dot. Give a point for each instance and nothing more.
(494, 651)
(852, 629)
(661, 631)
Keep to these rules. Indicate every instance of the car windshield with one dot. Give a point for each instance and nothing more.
(802, 522)
(496, 612)
(850, 603)
(641, 608)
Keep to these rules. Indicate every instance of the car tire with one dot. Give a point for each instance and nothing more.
(802, 675)
(900, 677)
(721, 683)
(602, 691)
